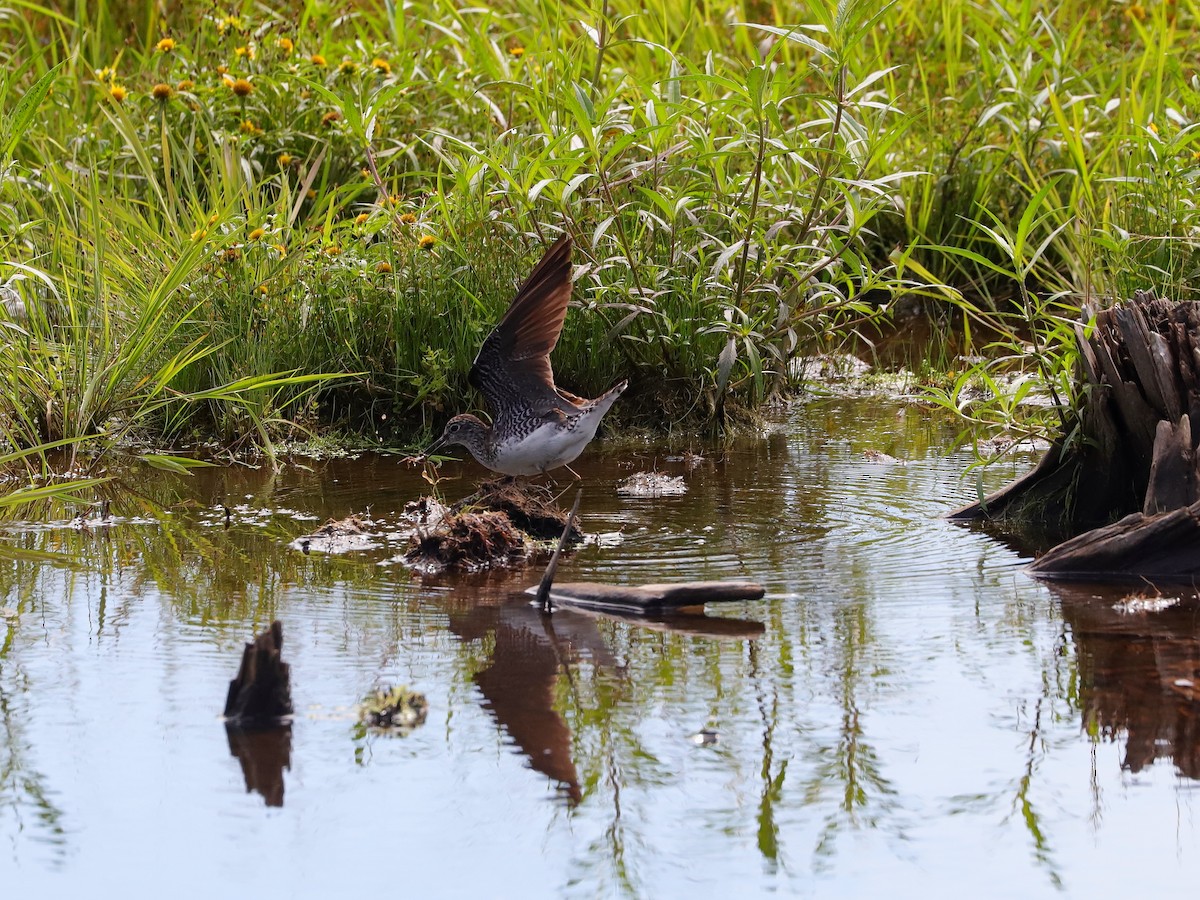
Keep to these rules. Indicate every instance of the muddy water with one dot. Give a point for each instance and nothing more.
(905, 713)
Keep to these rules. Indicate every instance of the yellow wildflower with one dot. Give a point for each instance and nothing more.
(222, 69)
(383, 268)
(517, 50)
(246, 51)
(166, 45)
(248, 127)
(199, 234)
(1153, 127)
(332, 250)
(118, 93)
(1136, 11)
(212, 220)
(285, 44)
(233, 254)
(280, 249)
(106, 74)
(427, 241)
(381, 65)
(241, 87)
(186, 85)
(256, 234)
(162, 92)
(362, 218)
(330, 117)
(317, 60)
(284, 160)
(408, 218)
(229, 23)
(347, 66)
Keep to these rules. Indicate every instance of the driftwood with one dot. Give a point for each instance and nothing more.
(261, 693)
(1132, 457)
(1163, 547)
(653, 599)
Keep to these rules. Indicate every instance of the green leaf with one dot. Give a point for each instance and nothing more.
(15, 125)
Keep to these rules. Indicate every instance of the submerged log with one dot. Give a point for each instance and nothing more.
(1131, 454)
(653, 599)
(261, 694)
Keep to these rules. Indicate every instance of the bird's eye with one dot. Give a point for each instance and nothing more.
(454, 426)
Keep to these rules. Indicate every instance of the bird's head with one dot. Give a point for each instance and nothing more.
(465, 430)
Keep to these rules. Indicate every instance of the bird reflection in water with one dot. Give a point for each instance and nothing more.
(530, 652)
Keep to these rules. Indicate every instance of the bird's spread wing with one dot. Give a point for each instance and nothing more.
(513, 365)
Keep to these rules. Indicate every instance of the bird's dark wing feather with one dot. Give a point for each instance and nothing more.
(513, 365)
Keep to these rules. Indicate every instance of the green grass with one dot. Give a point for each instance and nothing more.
(243, 221)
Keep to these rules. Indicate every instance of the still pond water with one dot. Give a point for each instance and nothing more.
(916, 716)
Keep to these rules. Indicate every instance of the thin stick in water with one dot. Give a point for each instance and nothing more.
(543, 591)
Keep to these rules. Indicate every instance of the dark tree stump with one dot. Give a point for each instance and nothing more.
(261, 693)
(1132, 454)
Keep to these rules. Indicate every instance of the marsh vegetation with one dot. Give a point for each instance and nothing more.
(246, 222)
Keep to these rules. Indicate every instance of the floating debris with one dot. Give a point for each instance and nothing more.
(689, 459)
(1140, 604)
(706, 737)
(425, 511)
(469, 540)
(651, 484)
(529, 507)
(877, 456)
(337, 536)
(393, 709)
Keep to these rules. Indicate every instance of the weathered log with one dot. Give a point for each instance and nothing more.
(1133, 450)
(1162, 547)
(261, 693)
(653, 599)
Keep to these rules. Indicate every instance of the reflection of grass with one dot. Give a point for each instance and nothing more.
(22, 786)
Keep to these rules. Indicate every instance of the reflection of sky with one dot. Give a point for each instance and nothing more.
(909, 721)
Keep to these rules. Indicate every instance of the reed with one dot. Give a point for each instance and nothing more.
(244, 220)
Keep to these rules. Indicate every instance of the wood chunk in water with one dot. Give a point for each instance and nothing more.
(261, 694)
(654, 599)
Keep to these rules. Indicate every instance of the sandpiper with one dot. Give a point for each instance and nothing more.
(536, 425)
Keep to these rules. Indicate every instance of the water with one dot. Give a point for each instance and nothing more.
(916, 716)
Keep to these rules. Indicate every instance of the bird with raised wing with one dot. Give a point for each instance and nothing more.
(536, 425)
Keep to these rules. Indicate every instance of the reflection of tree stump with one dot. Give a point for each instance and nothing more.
(1132, 455)
(261, 693)
(1139, 673)
(264, 753)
